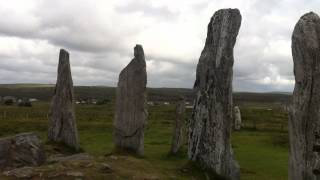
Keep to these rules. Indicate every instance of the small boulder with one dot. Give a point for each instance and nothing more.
(106, 168)
(24, 149)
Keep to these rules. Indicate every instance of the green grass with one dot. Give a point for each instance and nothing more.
(259, 157)
(261, 147)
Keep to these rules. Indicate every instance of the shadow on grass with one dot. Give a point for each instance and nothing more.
(124, 152)
(59, 147)
(181, 154)
(192, 168)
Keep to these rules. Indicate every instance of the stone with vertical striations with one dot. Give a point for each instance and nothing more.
(237, 118)
(178, 131)
(210, 125)
(62, 121)
(304, 119)
(131, 113)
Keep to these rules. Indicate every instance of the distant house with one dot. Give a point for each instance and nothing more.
(24, 102)
(14, 99)
(166, 103)
(102, 101)
(189, 107)
(150, 103)
(9, 100)
(94, 101)
(33, 99)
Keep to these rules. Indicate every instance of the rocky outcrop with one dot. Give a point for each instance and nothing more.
(210, 126)
(21, 173)
(60, 166)
(131, 113)
(237, 118)
(24, 149)
(62, 121)
(304, 119)
(178, 134)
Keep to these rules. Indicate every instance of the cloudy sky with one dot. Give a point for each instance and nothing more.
(100, 36)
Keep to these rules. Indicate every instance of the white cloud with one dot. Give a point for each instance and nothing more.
(100, 36)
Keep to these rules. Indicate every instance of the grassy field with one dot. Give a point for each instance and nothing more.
(261, 147)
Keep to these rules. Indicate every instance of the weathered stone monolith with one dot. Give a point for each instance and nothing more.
(62, 121)
(178, 131)
(210, 126)
(237, 118)
(304, 119)
(131, 113)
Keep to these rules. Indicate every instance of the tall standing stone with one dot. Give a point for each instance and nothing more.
(210, 126)
(237, 118)
(178, 134)
(131, 113)
(62, 122)
(304, 119)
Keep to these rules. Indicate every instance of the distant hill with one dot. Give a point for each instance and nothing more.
(45, 91)
(268, 97)
(21, 85)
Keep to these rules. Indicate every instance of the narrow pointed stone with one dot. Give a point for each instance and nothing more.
(304, 119)
(131, 113)
(62, 122)
(210, 125)
(178, 132)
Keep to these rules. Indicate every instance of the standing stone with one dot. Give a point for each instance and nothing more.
(62, 121)
(237, 118)
(178, 133)
(131, 113)
(210, 126)
(304, 119)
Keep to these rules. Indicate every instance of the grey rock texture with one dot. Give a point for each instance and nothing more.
(21, 173)
(131, 112)
(75, 157)
(24, 149)
(178, 131)
(210, 125)
(62, 121)
(304, 119)
(237, 118)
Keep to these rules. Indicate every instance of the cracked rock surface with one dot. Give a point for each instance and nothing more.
(62, 121)
(25, 149)
(178, 131)
(210, 125)
(304, 119)
(131, 113)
